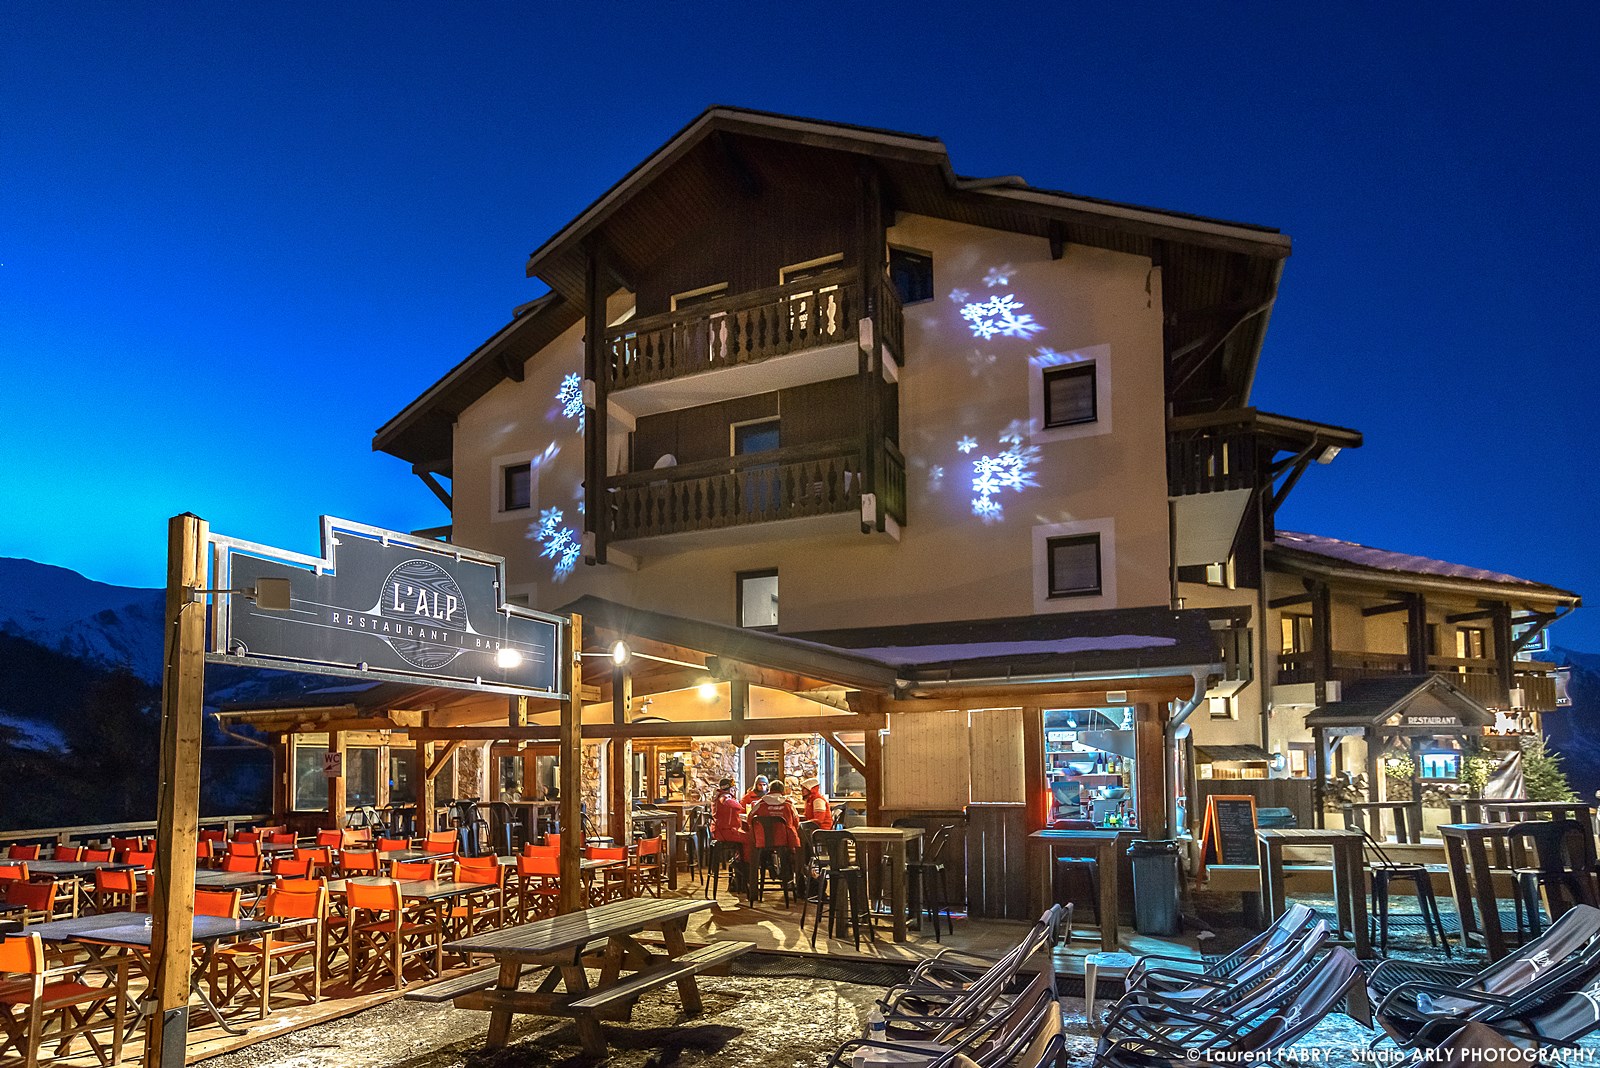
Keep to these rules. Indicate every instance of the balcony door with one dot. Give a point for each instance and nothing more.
(812, 310)
(704, 339)
(758, 482)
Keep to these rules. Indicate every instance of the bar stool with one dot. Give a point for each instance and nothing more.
(774, 847)
(1562, 872)
(509, 827)
(844, 878)
(722, 855)
(1385, 871)
(930, 881)
(687, 838)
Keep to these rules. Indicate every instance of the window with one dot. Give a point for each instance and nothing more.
(310, 785)
(1069, 395)
(703, 295)
(757, 435)
(1296, 633)
(402, 776)
(758, 599)
(516, 487)
(1471, 643)
(360, 777)
(911, 274)
(1074, 564)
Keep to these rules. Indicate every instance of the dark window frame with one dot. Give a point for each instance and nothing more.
(906, 294)
(507, 473)
(1086, 369)
(1050, 546)
(739, 579)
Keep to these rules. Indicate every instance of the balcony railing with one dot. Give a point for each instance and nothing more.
(1478, 678)
(892, 483)
(1210, 458)
(789, 483)
(809, 313)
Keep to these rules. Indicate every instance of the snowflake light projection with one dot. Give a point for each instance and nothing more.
(999, 276)
(557, 541)
(999, 316)
(959, 296)
(570, 396)
(980, 362)
(1009, 469)
(967, 444)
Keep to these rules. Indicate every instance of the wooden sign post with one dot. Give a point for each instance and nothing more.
(1228, 832)
(178, 795)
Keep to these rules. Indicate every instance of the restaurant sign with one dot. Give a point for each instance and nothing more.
(383, 605)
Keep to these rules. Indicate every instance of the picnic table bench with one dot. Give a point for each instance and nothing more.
(565, 944)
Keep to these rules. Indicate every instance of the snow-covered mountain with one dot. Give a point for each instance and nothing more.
(111, 626)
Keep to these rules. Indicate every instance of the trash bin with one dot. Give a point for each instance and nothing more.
(1155, 886)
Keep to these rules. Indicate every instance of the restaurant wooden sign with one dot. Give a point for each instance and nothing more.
(379, 604)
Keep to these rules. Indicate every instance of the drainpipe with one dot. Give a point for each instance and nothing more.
(1181, 713)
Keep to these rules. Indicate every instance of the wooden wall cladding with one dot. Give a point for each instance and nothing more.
(996, 756)
(925, 761)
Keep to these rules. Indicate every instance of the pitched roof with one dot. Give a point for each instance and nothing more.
(1292, 545)
(1370, 702)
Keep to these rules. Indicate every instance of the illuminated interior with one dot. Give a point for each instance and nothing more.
(1089, 767)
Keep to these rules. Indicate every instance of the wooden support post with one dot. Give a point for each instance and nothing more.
(517, 713)
(618, 793)
(1504, 652)
(874, 776)
(569, 752)
(1319, 774)
(1417, 633)
(1036, 810)
(280, 777)
(336, 809)
(738, 708)
(1321, 639)
(424, 773)
(178, 794)
(1151, 786)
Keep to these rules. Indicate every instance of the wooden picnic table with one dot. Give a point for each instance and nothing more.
(210, 879)
(1105, 846)
(109, 931)
(1349, 874)
(895, 842)
(559, 944)
(69, 869)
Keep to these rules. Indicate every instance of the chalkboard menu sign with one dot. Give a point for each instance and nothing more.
(1228, 831)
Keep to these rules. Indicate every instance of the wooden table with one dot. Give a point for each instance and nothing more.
(208, 879)
(1514, 810)
(558, 944)
(1349, 874)
(895, 842)
(1104, 845)
(1407, 818)
(132, 930)
(1472, 880)
(670, 835)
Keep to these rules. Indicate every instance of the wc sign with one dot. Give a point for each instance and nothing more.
(384, 605)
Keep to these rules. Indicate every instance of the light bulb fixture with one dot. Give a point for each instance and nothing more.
(507, 658)
(620, 653)
(708, 690)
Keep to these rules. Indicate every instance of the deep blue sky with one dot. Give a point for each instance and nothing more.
(236, 238)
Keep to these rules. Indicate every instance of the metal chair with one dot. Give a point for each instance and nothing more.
(844, 882)
(1386, 870)
(771, 845)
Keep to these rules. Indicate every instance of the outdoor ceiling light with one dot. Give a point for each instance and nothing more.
(507, 658)
(708, 690)
(1327, 454)
(620, 653)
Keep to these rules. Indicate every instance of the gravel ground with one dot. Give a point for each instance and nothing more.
(748, 1021)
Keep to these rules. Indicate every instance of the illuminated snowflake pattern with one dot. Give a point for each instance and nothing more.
(570, 396)
(980, 362)
(967, 444)
(1009, 469)
(959, 296)
(557, 541)
(999, 316)
(936, 478)
(999, 276)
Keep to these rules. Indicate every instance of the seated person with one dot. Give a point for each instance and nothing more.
(757, 791)
(776, 803)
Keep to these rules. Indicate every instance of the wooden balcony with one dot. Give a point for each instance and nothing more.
(1475, 677)
(789, 483)
(804, 315)
(1205, 457)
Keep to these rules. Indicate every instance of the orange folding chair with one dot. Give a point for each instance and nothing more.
(57, 1004)
(143, 861)
(115, 891)
(481, 909)
(648, 869)
(330, 839)
(210, 902)
(390, 845)
(608, 884)
(292, 953)
(538, 887)
(383, 937)
(67, 853)
(281, 838)
(97, 856)
(442, 842)
(38, 900)
(241, 863)
(127, 845)
(13, 873)
(321, 858)
(23, 852)
(414, 870)
(292, 868)
(358, 862)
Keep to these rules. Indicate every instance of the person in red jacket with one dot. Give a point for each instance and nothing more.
(776, 803)
(727, 816)
(757, 791)
(814, 805)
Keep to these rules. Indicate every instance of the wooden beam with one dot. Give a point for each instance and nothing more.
(178, 793)
(1289, 601)
(771, 678)
(1468, 617)
(697, 728)
(1321, 639)
(873, 773)
(618, 794)
(336, 806)
(440, 757)
(517, 711)
(569, 754)
(1385, 609)
(621, 694)
(845, 752)
(424, 761)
